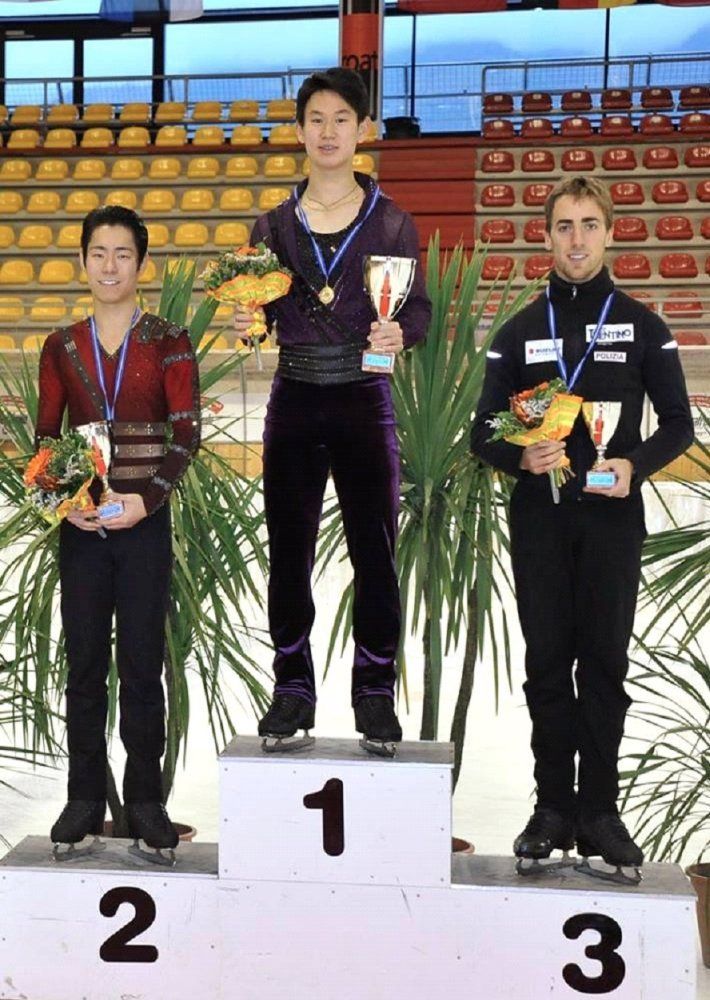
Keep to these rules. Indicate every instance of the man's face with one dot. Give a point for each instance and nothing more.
(111, 264)
(578, 238)
(330, 129)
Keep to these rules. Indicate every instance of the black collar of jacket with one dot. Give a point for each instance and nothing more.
(568, 293)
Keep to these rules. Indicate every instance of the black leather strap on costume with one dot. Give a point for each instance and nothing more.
(322, 364)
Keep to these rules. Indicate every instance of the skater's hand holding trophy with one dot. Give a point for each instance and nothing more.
(608, 477)
(388, 281)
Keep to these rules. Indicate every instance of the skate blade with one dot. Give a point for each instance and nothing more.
(286, 744)
(72, 853)
(617, 877)
(536, 868)
(155, 855)
(379, 748)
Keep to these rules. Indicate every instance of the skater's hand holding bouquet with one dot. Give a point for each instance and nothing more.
(58, 477)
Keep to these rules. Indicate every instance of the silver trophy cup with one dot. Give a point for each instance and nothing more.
(97, 433)
(388, 281)
(602, 419)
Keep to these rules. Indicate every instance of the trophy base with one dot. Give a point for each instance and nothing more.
(108, 510)
(380, 362)
(602, 480)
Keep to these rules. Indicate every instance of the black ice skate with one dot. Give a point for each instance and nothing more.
(376, 720)
(149, 822)
(547, 830)
(79, 819)
(605, 835)
(287, 713)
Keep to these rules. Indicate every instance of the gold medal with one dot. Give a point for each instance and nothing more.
(326, 295)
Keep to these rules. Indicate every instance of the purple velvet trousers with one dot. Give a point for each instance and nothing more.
(349, 431)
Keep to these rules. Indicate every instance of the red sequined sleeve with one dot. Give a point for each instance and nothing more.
(52, 392)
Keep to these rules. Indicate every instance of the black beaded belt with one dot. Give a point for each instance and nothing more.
(322, 364)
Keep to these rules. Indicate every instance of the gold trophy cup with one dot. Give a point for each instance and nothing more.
(602, 419)
(388, 281)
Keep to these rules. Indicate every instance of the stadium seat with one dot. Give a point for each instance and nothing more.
(69, 236)
(576, 100)
(126, 169)
(149, 274)
(616, 126)
(15, 170)
(370, 134)
(280, 166)
(209, 135)
(60, 114)
(224, 311)
(7, 343)
(23, 138)
(243, 111)
(83, 306)
(283, 135)
(60, 138)
(48, 309)
(619, 158)
(630, 228)
(52, 170)
(683, 303)
(97, 113)
(536, 128)
(690, 338)
(245, 135)
(236, 199)
(81, 202)
(11, 309)
(644, 297)
(694, 97)
(497, 196)
(364, 163)
(43, 203)
(169, 111)
(3, 114)
(171, 135)
(697, 123)
(674, 227)
(656, 99)
(57, 272)
(705, 228)
(271, 197)
(26, 114)
(215, 343)
(203, 167)
(37, 237)
(231, 234)
(538, 161)
(626, 193)
(16, 272)
(165, 168)
(135, 113)
(616, 99)
(97, 138)
(207, 111)
(7, 236)
(497, 161)
(498, 231)
(534, 231)
(678, 265)
(702, 192)
(578, 160)
(241, 166)
(576, 127)
(656, 125)
(695, 156)
(122, 196)
(537, 265)
(10, 202)
(158, 200)
(34, 342)
(158, 234)
(669, 192)
(632, 265)
(280, 110)
(89, 169)
(660, 158)
(536, 103)
(498, 128)
(497, 267)
(133, 137)
(536, 194)
(497, 104)
(492, 303)
(191, 234)
(197, 200)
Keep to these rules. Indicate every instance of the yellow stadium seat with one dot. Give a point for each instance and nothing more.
(283, 109)
(57, 272)
(371, 133)
(133, 137)
(60, 138)
(364, 163)
(236, 200)
(280, 166)
(3, 114)
(306, 166)
(208, 135)
(89, 170)
(82, 276)
(10, 202)
(98, 113)
(197, 200)
(15, 170)
(241, 166)
(7, 236)
(26, 114)
(243, 111)
(97, 138)
(203, 166)
(39, 237)
(158, 234)
(207, 111)
(224, 311)
(191, 234)
(271, 197)
(126, 169)
(150, 273)
(69, 235)
(158, 200)
(246, 135)
(7, 343)
(16, 272)
(283, 135)
(219, 343)
(34, 341)
(48, 308)
(135, 112)
(52, 170)
(170, 111)
(11, 309)
(83, 306)
(129, 199)
(23, 138)
(231, 234)
(81, 202)
(60, 113)
(171, 135)
(164, 168)
(43, 202)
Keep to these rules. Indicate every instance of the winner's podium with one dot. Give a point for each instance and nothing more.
(333, 878)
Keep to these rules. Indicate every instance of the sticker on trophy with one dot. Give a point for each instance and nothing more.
(114, 508)
(602, 419)
(388, 281)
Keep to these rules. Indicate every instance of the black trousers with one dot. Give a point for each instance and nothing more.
(576, 567)
(126, 574)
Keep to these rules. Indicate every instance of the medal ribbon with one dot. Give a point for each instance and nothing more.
(110, 406)
(561, 363)
(327, 271)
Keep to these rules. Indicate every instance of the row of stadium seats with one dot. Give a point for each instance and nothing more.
(610, 99)
(630, 266)
(665, 192)
(138, 137)
(141, 113)
(611, 127)
(68, 237)
(656, 158)
(20, 271)
(154, 201)
(628, 228)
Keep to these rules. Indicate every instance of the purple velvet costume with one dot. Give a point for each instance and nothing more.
(345, 429)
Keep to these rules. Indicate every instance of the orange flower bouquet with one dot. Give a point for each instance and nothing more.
(250, 277)
(58, 477)
(545, 413)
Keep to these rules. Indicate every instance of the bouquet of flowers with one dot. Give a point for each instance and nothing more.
(545, 413)
(58, 477)
(250, 277)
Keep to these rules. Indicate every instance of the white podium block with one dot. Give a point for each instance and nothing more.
(333, 813)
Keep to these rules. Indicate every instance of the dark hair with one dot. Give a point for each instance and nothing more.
(115, 215)
(345, 82)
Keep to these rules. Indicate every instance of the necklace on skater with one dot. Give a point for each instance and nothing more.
(321, 205)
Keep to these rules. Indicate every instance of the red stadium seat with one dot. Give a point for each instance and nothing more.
(694, 97)
(537, 265)
(632, 265)
(646, 298)
(498, 104)
(697, 123)
(669, 192)
(498, 128)
(536, 128)
(576, 127)
(702, 192)
(497, 161)
(705, 228)
(498, 195)
(678, 265)
(698, 156)
(683, 303)
(498, 231)
(616, 100)
(615, 126)
(536, 194)
(657, 99)
(660, 158)
(630, 228)
(534, 231)
(690, 338)
(674, 227)
(626, 193)
(619, 158)
(497, 267)
(656, 125)
(536, 103)
(578, 160)
(538, 161)
(576, 100)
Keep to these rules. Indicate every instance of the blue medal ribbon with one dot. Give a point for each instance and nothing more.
(110, 405)
(561, 363)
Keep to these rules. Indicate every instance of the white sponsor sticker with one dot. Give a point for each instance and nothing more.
(537, 351)
(610, 356)
(611, 333)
